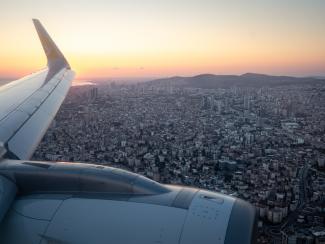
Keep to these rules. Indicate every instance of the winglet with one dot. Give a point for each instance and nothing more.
(55, 59)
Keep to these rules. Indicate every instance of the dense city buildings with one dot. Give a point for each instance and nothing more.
(264, 145)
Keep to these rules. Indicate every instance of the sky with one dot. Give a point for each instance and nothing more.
(161, 38)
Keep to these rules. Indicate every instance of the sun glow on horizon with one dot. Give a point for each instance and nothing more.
(165, 38)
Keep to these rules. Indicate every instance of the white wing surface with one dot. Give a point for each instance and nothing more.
(28, 105)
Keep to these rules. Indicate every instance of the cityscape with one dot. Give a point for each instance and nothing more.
(265, 145)
(162, 122)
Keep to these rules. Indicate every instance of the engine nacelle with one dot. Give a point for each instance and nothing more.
(85, 203)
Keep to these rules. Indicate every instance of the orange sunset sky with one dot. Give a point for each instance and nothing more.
(159, 38)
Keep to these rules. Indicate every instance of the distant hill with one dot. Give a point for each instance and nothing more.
(4, 81)
(210, 81)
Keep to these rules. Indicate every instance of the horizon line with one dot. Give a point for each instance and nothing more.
(148, 78)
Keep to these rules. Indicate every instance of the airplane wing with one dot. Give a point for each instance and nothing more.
(28, 105)
(44, 202)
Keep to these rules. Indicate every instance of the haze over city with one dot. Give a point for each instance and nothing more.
(127, 39)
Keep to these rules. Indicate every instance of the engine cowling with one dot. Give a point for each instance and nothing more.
(85, 203)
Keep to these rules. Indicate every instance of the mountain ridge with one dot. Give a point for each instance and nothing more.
(211, 81)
